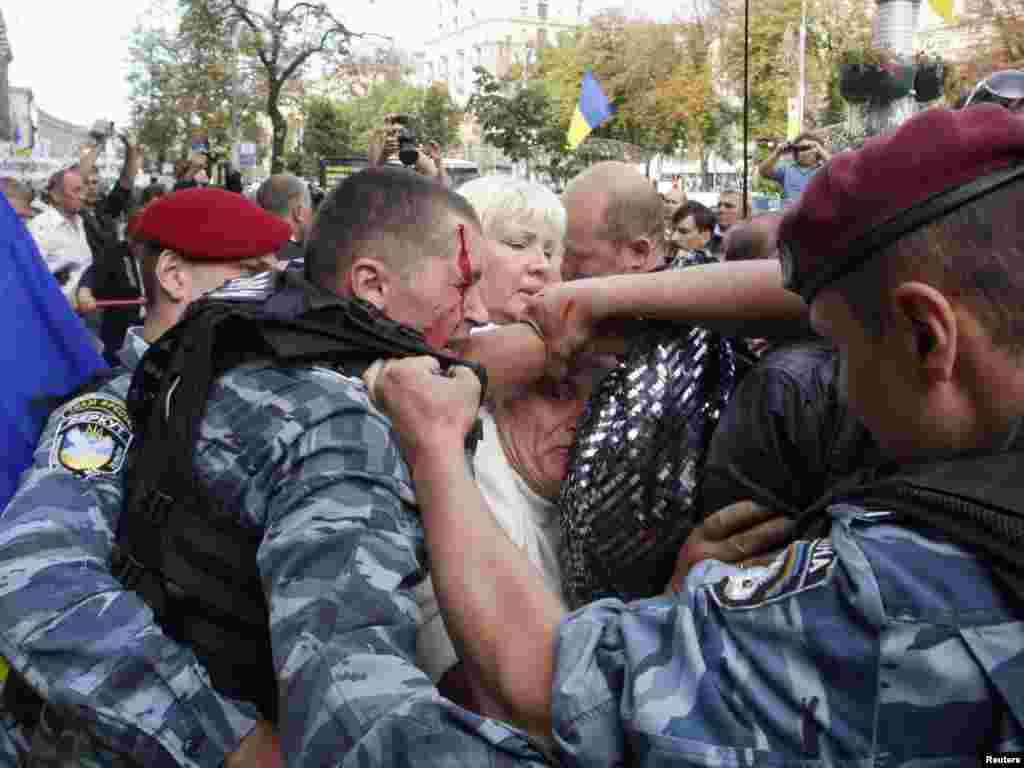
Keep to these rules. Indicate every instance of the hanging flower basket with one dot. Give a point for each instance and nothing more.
(928, 81)
(875, 83)
(858, 81)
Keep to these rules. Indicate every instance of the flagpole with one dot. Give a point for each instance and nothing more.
(746, 104)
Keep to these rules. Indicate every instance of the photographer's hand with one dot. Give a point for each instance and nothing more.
(435, 155)
(383, 144)
(767, 168)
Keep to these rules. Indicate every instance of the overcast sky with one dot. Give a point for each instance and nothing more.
(72, 54)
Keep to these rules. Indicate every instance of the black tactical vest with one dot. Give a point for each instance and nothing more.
(190, 559)
(977, 501)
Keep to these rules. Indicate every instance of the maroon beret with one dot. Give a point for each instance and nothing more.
(866, 199)
(208, 224)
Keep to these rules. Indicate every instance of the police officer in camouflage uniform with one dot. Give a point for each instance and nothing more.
(891, 631)
(311, 466)
(121, 692)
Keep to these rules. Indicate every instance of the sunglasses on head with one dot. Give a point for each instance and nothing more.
(727, 205)
(1005, 88)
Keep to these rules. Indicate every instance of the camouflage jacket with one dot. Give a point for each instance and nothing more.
(880, 645)
(72, 631)
(306, 460)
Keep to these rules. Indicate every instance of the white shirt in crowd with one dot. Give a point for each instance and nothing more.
(530, 521)
(63, 245)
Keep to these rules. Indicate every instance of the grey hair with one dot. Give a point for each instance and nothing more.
(276, 194)
(18, 190)
(492, 196)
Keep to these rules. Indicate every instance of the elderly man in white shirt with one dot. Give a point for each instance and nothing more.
(60, 233)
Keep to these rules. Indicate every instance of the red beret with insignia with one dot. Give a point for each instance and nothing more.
(207, 224)
(864, 200)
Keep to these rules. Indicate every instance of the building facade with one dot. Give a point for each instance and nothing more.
(472, 33)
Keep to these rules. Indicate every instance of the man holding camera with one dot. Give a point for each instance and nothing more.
(808, 154)
(397, 138)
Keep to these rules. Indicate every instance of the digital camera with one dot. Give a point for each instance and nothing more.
(408, 154)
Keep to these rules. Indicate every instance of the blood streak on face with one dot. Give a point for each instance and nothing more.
(438, 333)
(464, 266)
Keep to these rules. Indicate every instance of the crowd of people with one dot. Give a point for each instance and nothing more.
(491, 476)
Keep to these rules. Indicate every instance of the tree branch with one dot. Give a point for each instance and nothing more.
(243, 14)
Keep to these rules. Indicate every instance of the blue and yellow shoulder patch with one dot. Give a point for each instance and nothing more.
(804, 565)
(93, 436)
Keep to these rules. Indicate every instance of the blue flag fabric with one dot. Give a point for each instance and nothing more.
(45, 351)
(592, 110)
(593, 103)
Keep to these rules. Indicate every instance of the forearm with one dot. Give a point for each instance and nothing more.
(513, 355)
(743, 298)
(501, 616)
(767, 168)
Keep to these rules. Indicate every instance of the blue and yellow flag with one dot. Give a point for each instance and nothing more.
(45, 351)
(592, 110)
(943, 8)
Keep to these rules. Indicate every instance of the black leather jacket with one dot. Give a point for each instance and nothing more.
(785, 438)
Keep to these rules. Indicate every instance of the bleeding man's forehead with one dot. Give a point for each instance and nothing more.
(468, 261)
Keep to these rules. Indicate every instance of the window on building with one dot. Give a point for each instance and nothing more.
(524, 7)
(542, 9)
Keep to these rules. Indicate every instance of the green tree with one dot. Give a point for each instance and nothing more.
(158, 121)
(366, 114)
(996, 31)
(327, 133)
(438, 116)
(518, 118)
(283, 41)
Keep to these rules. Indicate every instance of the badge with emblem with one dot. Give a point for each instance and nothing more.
(92, 437)
(804, 565)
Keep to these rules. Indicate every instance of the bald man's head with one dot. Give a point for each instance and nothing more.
(615, 222)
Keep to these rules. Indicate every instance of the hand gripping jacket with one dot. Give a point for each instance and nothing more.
(188, 558)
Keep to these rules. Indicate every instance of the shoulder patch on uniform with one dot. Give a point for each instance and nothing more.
(804, 565)
(253, 288)
(92, 437)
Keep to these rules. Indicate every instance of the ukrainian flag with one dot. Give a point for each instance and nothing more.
(592, 110)
(943, 8)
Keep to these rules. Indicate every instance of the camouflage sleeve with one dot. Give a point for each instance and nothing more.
(72, 630)
(723, 673)
(342, 553)
(875, 644)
